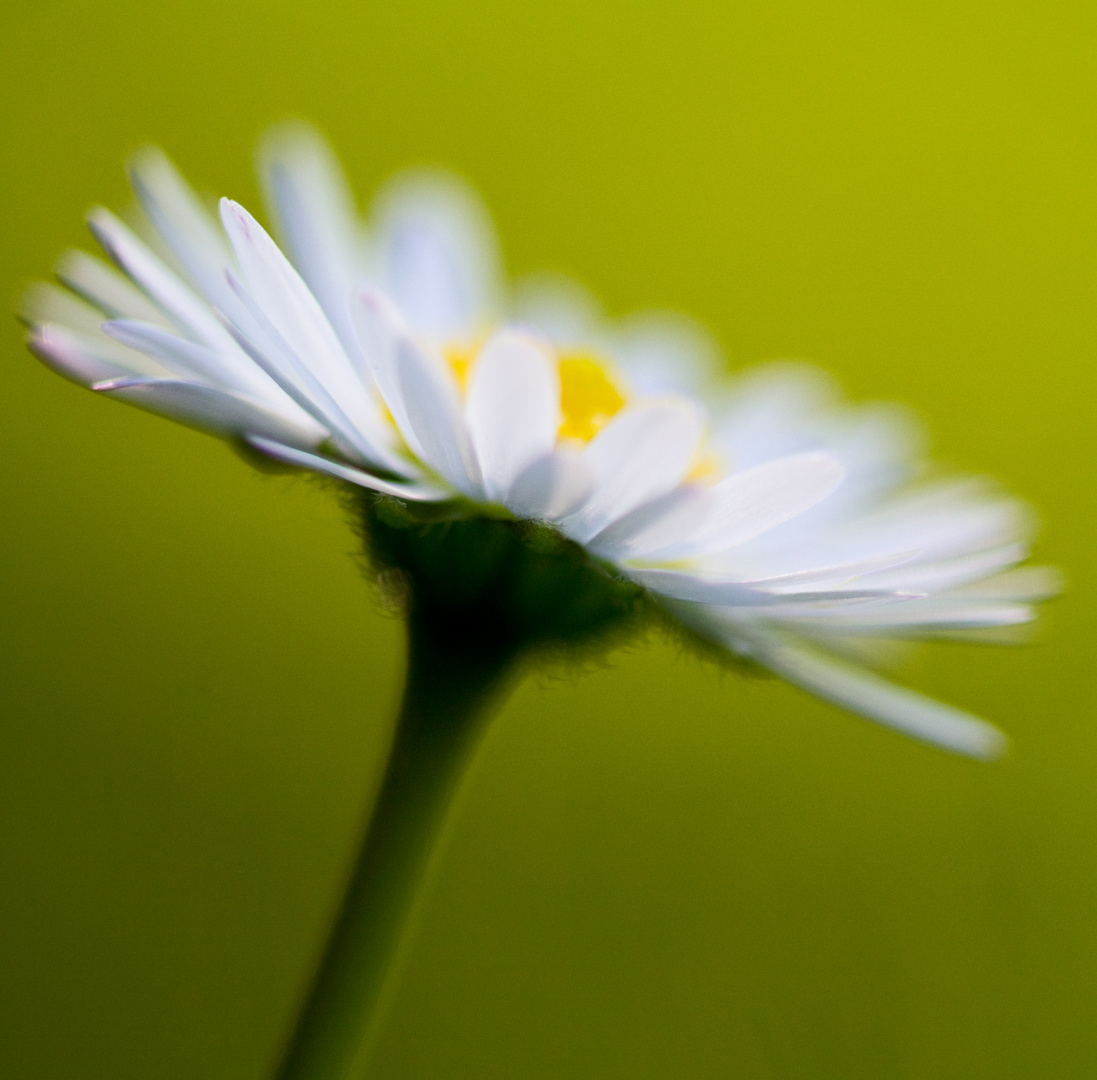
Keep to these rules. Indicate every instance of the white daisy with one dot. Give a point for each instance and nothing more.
(759, 512)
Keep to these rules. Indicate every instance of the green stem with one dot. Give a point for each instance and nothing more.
(451, 681)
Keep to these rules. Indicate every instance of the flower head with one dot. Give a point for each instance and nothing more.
(758, 511)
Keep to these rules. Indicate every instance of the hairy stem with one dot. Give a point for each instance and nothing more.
(452, 680)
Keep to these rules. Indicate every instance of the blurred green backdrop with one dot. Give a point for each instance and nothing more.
(659, 869)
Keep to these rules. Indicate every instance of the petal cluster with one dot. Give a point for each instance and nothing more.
(386, 353)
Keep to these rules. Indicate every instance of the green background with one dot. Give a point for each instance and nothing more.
(659, 869)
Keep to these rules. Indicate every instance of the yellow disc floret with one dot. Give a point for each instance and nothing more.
(588, 396)
(460, 358)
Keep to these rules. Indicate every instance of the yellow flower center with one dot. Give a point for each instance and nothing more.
(588, 396)
(589, 399)
(460, 358)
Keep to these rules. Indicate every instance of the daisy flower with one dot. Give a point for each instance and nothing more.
(758, 511)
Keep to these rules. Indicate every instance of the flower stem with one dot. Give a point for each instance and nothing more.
(452, 679)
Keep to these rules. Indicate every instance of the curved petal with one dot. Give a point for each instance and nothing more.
(297, 319)
(183, 356)
(433, 410)
(550, 488)
(168, 292)
(420, 391)
(208, 408)
(86, 361)
(512, 408)
(948, 574)
(45, 303)
(105, 288)
(437, 255)
(919, 615)
(879, 700)
(1024, 584)
(751, 502)
(664, 352)
(316, 463)
(643, 452)
(185, 225)
(655, 527)
(317, 223)
(750, 594)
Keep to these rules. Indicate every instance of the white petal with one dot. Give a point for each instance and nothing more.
(169, 293)
(379, 327)
(550, 488)
(437, 254)
(317, 223)
(512, 408)
(433, 411)
(836, 578)
(651, 529)
(868, 694)
(559, 309)
(183, 356)
(643, 452)
(86, 361)
(186, 226)
(420, 391)
(945, 521)
(104, 287)
(43, 303)
(297, 319)
(1026, 583)
(261, 340)
(663, 352)
(208, 408)
(679, 585)
(952, 573)
(292, 456)
(751, 502)
(920, 616)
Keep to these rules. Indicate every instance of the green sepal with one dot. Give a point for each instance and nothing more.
(494, 580)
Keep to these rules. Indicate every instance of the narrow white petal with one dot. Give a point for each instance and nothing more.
(437, 255)
(1025, 584)
(378, 327)
(751, 502)
(679, 585)
(836, 578)
(919, 615)
(559, 309)
(168, 292)
(946, 521)
(217, 411)
(287, 305)
(433, 409)
(550, 488)
(420, 391)
(882, 701)
(84, 360)
(180, 354)
(261, 340)
(44, 303)
(185, 225)
(104, 287)
(663, 352)
(317, 223)
(512, 408)
(953, 573)
(651, 529)
(292, 456)
(643, 452)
